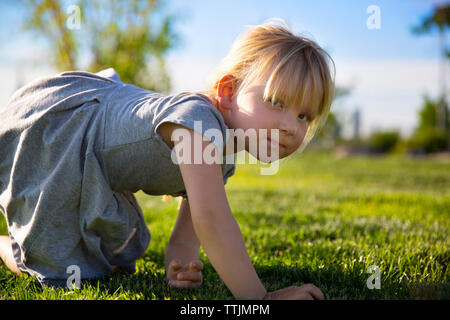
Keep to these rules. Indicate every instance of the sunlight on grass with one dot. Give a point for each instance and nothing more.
(319, 219)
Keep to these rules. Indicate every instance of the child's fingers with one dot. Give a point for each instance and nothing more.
(174, 265)
(190, 276)
(314, 291)
(184, 284)
(196, 265)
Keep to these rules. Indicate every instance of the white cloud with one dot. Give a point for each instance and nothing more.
(13, 77)
(390, 76)
(389, 92)
(189, 73)
(21, 63)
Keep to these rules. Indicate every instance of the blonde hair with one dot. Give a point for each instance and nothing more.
(294, 65)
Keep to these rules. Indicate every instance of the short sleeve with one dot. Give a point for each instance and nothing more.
(230, 168)
(110, 74)
(193, 111)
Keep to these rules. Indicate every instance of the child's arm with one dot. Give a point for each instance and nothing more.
(183, 235)
(213, 222)
(182, 253)
(218, 232)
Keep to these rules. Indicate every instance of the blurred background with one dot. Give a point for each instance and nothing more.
(392, 57)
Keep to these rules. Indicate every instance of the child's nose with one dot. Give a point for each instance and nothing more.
(289, 125)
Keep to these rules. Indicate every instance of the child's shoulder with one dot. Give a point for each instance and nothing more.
(191, 101)
(190, 110)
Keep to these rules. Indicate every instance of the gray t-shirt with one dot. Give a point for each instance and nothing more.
(74, 149)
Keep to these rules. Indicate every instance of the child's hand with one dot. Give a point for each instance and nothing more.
(305, 292)
(185, 276)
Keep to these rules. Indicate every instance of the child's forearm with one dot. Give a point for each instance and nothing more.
(221, 238)
(222, 241)
(184, 232)
(183, 243)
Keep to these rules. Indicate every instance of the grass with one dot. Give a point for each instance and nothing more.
(319, 220)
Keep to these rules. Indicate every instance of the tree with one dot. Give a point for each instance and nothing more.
(119, 34)
(428, 136)
(428, 114)
(440, 19)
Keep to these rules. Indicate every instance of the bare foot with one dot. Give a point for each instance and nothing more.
(6, 254)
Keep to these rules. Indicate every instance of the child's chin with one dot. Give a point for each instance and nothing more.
(268, 158)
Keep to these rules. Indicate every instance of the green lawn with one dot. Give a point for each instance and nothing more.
(320, 220)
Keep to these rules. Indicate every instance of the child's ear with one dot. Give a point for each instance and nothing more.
(225, 91)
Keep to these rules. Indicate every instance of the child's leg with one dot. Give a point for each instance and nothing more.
(6, 254)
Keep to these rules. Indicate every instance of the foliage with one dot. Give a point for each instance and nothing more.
(427, 136)
(384, 141)
(428, 114)
(440, 18)
(123, 35)
(428, 140)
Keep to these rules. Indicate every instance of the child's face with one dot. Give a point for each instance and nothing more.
(248, 110)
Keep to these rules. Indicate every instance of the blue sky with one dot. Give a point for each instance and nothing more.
(340, 26)
(387, 69)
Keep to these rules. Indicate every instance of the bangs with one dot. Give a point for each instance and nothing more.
(302, 79)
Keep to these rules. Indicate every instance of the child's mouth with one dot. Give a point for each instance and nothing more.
(275, 144)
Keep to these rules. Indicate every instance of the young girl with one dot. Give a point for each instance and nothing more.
(75, 147)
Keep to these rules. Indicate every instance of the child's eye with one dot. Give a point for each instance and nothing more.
(276, 103)
(305, 117)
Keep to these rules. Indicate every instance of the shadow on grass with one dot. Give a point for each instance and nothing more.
(149, 283)
(335, 283)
